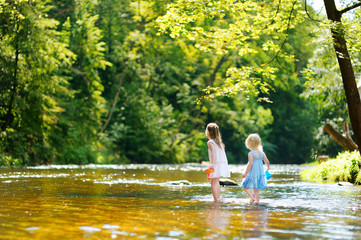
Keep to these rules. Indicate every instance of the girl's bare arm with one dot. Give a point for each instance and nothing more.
(265, 159)
(210, 154)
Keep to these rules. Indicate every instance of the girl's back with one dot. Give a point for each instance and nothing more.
(256, 178)
(257, 167)
(220, 154)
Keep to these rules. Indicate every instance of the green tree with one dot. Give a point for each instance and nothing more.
(325, 86)
(76, 134)
(30, 81)
(345, 64)
(295, 117)
(266, 40)
(226, 26)
(157, 79)
(111, 88)
(146, 87)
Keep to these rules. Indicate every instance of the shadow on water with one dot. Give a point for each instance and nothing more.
(141, 201)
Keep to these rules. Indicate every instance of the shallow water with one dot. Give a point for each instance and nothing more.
(139, 202)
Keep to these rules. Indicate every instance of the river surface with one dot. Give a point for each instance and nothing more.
(140, 202)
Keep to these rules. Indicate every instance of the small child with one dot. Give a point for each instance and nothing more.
(255, 177)
(217, 158)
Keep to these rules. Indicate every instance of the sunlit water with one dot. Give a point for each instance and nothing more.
(140, 202)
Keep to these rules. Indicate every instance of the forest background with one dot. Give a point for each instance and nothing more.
(107, 82)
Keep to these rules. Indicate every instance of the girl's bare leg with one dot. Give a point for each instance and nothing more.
(216, 189)
(256, 196)
(249, 193)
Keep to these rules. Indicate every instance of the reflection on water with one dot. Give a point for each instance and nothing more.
(141, 201)
(217, 220)
(254, 220)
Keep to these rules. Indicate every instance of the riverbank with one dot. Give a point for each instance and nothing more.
(344, 168)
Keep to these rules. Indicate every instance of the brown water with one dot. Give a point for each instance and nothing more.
(139, 202)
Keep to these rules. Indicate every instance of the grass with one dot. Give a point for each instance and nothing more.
(343, 168)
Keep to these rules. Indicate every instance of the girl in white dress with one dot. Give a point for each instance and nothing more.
(217, 158)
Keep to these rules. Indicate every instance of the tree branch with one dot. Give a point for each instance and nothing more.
(115, 101)
(212, 78)
(14, 89)
(210, 82)
(216, 69)
(345, 142)
(350, 8)
(286, 38)
(277, 60)
(308, 14)
(277, 11)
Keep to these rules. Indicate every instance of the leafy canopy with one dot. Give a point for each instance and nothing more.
(226, 26)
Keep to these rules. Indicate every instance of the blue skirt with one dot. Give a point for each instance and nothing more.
(256, 178)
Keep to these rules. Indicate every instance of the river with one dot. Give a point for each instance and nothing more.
(140, 202)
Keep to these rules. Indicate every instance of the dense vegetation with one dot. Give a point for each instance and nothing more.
(106, 82)
(344, 168)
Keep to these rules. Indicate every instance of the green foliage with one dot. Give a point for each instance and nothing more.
(293, 129)
(244, 28)
(144, 130)
(344, 168)
(51, 100)
(9, 161)
(30, 72)
(117, 81)
(267, 57)
(295, 117)
(82, 116)
(238, 118)
(155, 118)
(324, 85)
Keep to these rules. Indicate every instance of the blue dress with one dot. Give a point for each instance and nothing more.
(256, 178)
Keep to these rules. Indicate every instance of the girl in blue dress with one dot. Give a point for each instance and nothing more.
(254, 176)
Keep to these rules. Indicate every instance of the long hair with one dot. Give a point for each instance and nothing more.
(214, 133)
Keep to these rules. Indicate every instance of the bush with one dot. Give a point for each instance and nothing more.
(344, 168)
(9, 161)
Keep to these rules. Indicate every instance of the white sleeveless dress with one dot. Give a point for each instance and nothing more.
(221, 162)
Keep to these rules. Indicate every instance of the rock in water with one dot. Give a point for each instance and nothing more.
(180, 182)
(227, 182)
(345, 184)
(322, 158)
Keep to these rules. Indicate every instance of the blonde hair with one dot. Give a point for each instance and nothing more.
(253, 142)
(214, 133)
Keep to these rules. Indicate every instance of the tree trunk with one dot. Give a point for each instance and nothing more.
(210, 82)
(348, 76)
(115, 101)
(212, 78)
(8, 118)
(346, 142)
